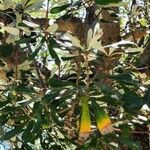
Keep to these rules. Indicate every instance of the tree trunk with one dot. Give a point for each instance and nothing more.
(110, 26)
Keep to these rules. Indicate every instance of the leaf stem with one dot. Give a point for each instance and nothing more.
(87, 71)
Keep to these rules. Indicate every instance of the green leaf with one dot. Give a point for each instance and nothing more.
(49, 97)
(37, 124)
(11, 30)
(105, 2)
(3, 103)
(132, 101)
(105, 88)
(34, 54)
(59, 9)
(25, 40)
(29, 24)
(54, 147)
(6, 4)
(130, 143)
(124, 78)
(2, 6)
(75, 41)
(37, 111)
(33, 5)
(52, 52)
(68, 58)
(125, 130)
(7, 110)
(52, 28)
(55, 117)
(55, 82)
(24, 2)
(24, 89)
(12, 133)
(3, 119)
(25, 145)
(26, 136)
(6, 50)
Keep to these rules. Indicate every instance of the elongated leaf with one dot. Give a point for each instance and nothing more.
(124, 78)
(6, 50)
(54, 82)
(3, 103)
(24, 89)
(75, 41)
(130, 143)
(37, 110)
(54, 116)
(11, 30)
(105, 2)
(26, 136)
(52, 29)
(59, 9)
(132, 101)
(3, 119)
(85, 122)
(34, 54)
(68, 58)
(25, 145)
(6, 4)
(48, 98)
(56, 147)
(103, 121)
(30, 24)
(7, 110)
(52, 52)
(12, 133)
(33, 4)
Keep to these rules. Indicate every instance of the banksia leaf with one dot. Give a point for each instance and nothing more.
(103, 121)
(85, 121)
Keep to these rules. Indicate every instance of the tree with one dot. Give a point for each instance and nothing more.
(71, 75)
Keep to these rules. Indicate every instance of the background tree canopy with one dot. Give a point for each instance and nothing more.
(74, 74)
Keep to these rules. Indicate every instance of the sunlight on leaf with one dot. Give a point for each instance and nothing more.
(11, 30)
(75, 41)
(52, 28)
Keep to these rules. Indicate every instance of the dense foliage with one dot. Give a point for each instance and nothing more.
(64, 84)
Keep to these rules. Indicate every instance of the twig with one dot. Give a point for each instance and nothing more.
(13, 19)
(64, 66)
(87, 70)
(133, 131)
(47, 11)
(78, 72)
(16, 56)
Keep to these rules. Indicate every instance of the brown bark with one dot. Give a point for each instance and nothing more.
(110, 26)
(71, 24)
(145, 59)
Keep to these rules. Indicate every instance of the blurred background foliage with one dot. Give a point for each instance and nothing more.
(69, 62)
